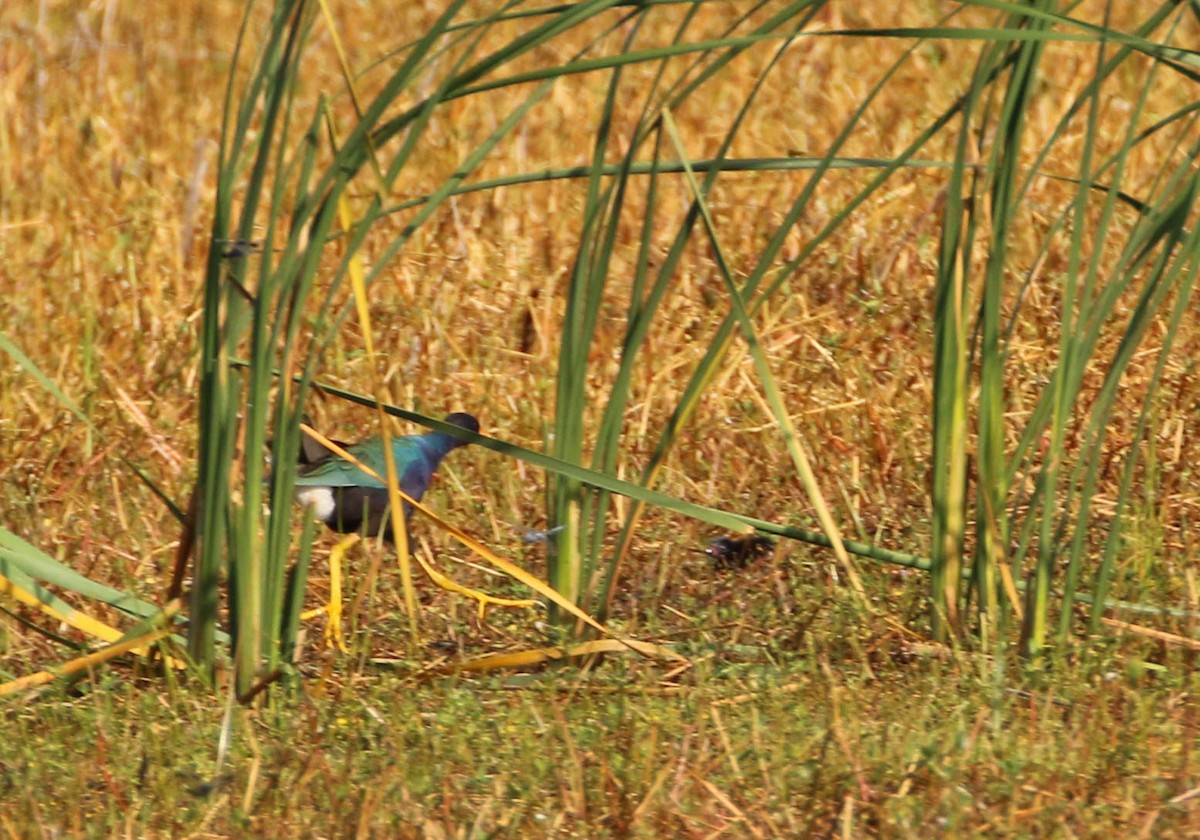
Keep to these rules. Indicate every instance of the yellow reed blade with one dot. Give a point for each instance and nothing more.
(528, 658)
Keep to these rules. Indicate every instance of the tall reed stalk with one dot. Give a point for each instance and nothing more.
(1033, 503)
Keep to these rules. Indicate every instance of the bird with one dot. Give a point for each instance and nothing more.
(350, 501)
(738, 551)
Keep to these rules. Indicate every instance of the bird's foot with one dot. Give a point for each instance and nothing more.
(483, 599)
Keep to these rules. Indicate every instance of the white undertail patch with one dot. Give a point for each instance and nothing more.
(320, 499)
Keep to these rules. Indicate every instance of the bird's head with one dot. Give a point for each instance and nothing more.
(463, 421)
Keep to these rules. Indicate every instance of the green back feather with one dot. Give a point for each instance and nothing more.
(335, 472)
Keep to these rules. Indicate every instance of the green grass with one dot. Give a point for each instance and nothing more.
(817, 726)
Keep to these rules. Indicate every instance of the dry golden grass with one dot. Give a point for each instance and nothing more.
(109, 119)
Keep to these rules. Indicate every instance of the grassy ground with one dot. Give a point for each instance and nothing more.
(800, 715)
(797, 737)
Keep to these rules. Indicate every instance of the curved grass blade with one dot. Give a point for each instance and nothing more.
(130, 643)
(27, 591)
(728, 520)
(23, 562)
(542, 656)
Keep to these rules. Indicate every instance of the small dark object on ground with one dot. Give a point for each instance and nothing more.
(738, 551)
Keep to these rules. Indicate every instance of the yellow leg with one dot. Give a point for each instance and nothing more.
(333, 629)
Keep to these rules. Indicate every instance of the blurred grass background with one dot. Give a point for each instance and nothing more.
(798, 718)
